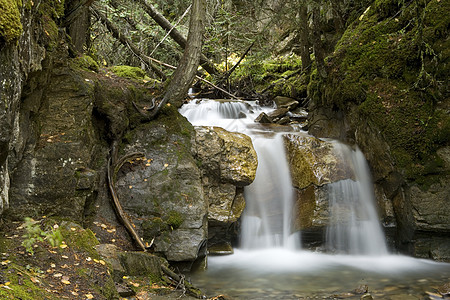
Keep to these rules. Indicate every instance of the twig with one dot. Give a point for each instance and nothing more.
(117, 206)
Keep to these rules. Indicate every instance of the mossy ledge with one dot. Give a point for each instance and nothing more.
(10, 25)
(390, 64)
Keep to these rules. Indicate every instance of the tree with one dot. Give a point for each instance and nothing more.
(187, 68)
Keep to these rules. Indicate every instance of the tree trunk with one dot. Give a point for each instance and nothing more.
(175, 34)
(187, 68)
(304, 36)
(77, 21)
(319, 51)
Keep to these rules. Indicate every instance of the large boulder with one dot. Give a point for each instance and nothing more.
(229, 155)
(162, 191)
(228, 162)
(314, 162)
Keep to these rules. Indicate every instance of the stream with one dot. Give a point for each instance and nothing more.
(270, 262)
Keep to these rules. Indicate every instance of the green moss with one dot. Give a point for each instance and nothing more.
(174, 219)
(10, 25)
(20, 285)
(85, 62)
(80, 238)
(377, 66)
(128, 72)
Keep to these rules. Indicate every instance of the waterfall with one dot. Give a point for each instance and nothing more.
(354, 227)
(266, 222)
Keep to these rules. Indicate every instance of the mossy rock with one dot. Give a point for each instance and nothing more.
(128, 72)
(10, 25)
(85, 62)
(388, 64)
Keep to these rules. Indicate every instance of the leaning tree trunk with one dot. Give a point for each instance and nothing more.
(187, 68)
(175, 34)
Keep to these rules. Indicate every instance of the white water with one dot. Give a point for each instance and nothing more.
(270, 264)
(354, 225)
(266, 221)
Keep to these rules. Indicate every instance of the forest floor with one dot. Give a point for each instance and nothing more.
(72, 270)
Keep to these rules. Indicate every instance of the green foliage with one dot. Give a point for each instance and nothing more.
(34, 234)
(10, 25)
(258, 72)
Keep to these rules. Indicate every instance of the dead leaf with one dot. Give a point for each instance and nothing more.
(34, 280)
(89, 296)
(63, 246)
(65, 281)
(57, 275)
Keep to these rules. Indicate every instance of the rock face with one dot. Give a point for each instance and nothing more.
(314, 164)
(228, 162)
(162, 192)
(55, 170)
(404, 138)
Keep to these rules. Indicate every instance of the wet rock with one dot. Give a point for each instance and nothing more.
(366, 296)
(284, 120)
(263, 118)
(277, 114)
(313, 161)
(362, 289)
(286, 102)
(221, 249)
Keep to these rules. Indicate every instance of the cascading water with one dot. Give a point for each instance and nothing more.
(266, 220)
(270, 263)
(354, 227)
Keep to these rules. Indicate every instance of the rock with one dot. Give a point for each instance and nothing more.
(284, 120)
(228, 162)
(124, 291)
(366, 296)
(286, 102)
(55, 173)
(111, 254)
(221, 249)
(141, 264)
(277, 114)
(162, 192)
(263, 118)
(231, 155)
(313, 161)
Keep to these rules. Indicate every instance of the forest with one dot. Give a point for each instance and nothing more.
(134, 135)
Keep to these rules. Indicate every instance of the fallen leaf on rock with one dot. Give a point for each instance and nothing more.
(34, 280)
